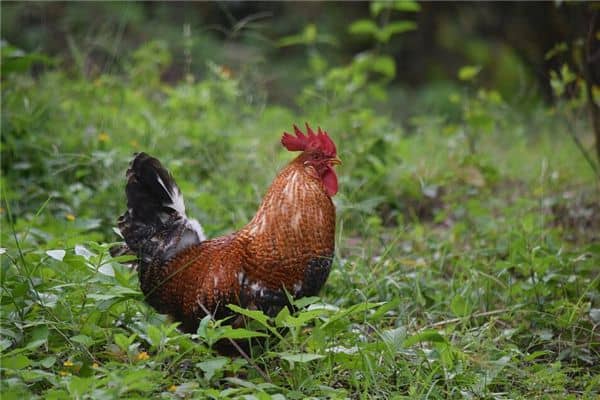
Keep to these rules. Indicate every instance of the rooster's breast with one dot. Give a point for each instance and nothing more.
(291, 238)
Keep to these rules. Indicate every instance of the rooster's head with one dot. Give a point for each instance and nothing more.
(318, 152)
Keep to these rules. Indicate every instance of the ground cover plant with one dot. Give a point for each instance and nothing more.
(467, 241)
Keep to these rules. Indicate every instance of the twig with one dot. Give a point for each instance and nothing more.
(455, 320)
(581, 147)
(590, 79)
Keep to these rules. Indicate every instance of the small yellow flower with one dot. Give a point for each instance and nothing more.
(103, 137)
(68, 363)
(134, 143)
(95, 365)
(172, 388)
(63, 373)
(70, 217)
(142, 356)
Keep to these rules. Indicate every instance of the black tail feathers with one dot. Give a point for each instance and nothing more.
(155, 225)
(151, 191)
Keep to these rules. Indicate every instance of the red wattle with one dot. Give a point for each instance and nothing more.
(330, 182)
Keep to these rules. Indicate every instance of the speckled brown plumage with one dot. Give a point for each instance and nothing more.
(287, 247)
(294, 225)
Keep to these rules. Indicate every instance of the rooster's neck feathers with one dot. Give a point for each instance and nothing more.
(294, 191)
(294, 224)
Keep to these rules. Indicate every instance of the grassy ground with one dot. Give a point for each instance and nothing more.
(467, 248)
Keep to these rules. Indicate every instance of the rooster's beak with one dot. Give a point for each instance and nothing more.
(335, 161)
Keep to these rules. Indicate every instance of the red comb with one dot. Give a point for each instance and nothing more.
(310, 141)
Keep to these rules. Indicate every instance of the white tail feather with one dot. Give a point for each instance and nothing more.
(195, 226)
(177, 202)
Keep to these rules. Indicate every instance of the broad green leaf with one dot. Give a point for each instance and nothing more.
(185, 390)
(210, 367)
(282, 316)
(304, 316)
(124, 259)
(78, 386)
(16, 60)
(34, 344)
(291, 40)
(141, 380)
(123, 341)
(305, 301)
(385, 65)
(83, 251)
(154, 335)
(468, 72)
(39, 336)
(378, 6)
(459, 306)
(285, 319)
(204, 330)
(48, 362)
(257, 316)
(300, 357)
(446, 353)
(308, 36)
(385, 308)
(364, 27)
(57, 255)
(310, 33)
(16, 362)
(240, 333)
(83, 339)
(428, 335)
(407, 5)
(394, 28)
(400, 5)
(5, 344)
(37, 375)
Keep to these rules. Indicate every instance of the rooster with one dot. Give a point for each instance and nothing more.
(286, 248)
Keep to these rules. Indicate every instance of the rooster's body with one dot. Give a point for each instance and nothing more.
(287, 246)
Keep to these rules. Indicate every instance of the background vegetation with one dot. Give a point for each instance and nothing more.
(468, 217)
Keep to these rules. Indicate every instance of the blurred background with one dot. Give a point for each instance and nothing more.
(270, 42)
(424, 95)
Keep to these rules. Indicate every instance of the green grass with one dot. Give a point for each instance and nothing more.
(457, 274)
